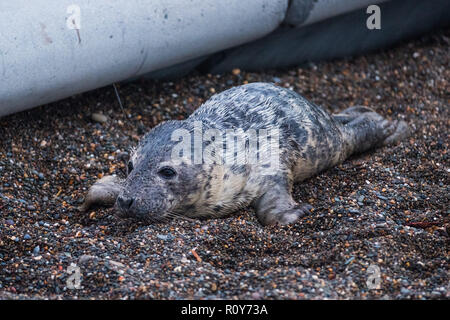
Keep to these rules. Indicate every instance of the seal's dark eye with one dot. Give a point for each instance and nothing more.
(130, 166)
(167, 173)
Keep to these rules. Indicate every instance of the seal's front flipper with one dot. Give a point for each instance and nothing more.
(277, 206)
(104, 192)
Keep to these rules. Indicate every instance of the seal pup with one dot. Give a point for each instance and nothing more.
(158, 188)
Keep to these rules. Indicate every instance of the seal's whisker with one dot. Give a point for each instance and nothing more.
(176, 215)
(180, 216)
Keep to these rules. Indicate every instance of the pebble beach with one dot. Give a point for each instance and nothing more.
(386, 210)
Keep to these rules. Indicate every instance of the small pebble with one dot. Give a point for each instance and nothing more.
(99, 117)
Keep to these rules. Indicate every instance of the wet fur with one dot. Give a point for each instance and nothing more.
(311, 140)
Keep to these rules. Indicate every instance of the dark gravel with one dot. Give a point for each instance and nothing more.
(387, 208)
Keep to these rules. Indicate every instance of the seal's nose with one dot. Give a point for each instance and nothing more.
(125, 203)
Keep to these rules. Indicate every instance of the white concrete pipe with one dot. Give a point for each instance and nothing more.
(51, 49)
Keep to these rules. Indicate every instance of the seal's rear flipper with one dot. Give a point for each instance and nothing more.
(104, 192)
(401, 132)
(350, 114)
(371, 130)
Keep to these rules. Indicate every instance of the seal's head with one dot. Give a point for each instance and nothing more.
(157, 187)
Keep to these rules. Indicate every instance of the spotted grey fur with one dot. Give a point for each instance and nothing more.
(310, 141)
